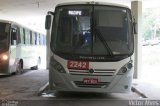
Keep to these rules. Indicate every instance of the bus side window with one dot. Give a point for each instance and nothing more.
(24, 34)
(44, 39)
(31, 38)
(18, 35)
(39, 38)
(36, 42)
(21, 35)
(13, 36)
(27, 36)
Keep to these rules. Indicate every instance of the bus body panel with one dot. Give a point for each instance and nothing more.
(4, 67)
(29, 54)
(28, 46)
(112, 84)
(12, 59)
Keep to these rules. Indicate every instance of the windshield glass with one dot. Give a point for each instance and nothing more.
(4, 36)
(92, 30)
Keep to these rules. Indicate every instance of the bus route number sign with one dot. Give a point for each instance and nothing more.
(81, 65)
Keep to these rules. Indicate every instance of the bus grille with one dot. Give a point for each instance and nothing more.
(98, 85)
(97, 72)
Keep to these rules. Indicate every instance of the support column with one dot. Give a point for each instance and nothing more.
(48, 51)
(136, 8)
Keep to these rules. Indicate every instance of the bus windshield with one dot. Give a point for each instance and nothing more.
(92, 30)
(4, 36)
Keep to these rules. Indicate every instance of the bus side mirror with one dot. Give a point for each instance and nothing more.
(134, 26)
(48, 22)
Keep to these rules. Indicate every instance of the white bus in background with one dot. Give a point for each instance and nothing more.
(20, 48)
(92, 47)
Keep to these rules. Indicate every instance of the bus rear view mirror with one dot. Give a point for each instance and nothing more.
(134, 26)
(48, 22)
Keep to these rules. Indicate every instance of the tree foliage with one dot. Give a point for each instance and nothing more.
(151, 23)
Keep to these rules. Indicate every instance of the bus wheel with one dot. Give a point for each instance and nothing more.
(20, 66)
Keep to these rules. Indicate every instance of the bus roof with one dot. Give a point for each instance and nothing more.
(15, 23)
(11, 22)
(92, 2)
(5, 21)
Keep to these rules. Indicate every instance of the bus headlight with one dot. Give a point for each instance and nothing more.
(4, 57)
(129, 65)
(125, 68)
(57, 66)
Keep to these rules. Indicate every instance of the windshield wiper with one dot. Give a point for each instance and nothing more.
(100, 36)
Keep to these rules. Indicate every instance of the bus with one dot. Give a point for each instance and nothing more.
(92, 47)
(20, 48)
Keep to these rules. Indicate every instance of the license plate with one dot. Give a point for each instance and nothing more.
(81, 65)
(90, 80)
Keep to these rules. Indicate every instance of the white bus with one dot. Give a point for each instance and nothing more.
(92, 46)
(20, 48)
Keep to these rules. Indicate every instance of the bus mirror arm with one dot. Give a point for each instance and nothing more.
(51, 13)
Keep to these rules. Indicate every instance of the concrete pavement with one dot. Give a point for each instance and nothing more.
(150, 89)
(22, 86)
(27, 85)
(24, 89)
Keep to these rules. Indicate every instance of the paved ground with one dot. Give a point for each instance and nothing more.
(22, 86)
(149, 83)
(24, 89)
(25, 86)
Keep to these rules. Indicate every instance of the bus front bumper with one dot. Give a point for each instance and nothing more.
(108, 84)
(4, 69)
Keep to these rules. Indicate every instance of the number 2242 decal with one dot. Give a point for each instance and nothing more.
(77, 65)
